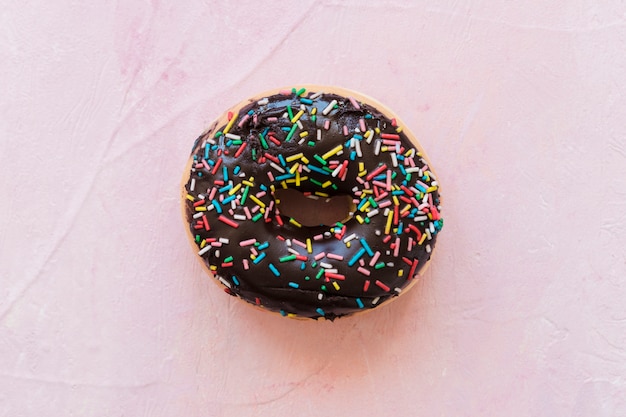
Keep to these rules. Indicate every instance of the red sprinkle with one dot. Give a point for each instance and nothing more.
(382, 285)
(228, 221)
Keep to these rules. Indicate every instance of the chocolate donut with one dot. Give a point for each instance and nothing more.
(311, 202)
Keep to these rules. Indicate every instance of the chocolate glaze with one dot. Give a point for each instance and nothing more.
(317, 295)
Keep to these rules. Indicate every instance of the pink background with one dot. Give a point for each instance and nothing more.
(104, 310)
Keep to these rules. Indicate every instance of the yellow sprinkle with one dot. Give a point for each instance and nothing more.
(365, 206)
(283, 184)
(337, 287)
(304, 160)
(203, 243)
(297, 178)
(213, 268)
(431, 189)
(359, 218)
(295, 223)
(361, 166)
(366, 192)
(422, 239)
(200, 208)
(190, 197)
(256, 200)
(332, 152)
(406, 208)
(384, 148)
(252, 256)
(293, 157)
(400, 272)
(248, 183)
(314, 111)
(304, 134)
(388, 225)
(377, 130)
(292, 315)
(262, 210)
(348, 244)
(327, 184)
(297, 116)
(309, 245)
(234, 189)
(294, 168)
(231, 123)
(367, 134)
(399, 129)
(272, 188)
(396, 202)
(321, 194)
(362, 173)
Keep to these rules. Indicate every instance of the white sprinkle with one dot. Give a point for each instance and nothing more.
(223, 281)
(375, 300)
(293, 251)
(398, 290)
(319, 134)
(192, 186)
(358, 149)
(326, 265)
(431, 226)
(394, 159)
(316, 95)
(320, 296)
(349, 238)
(204, 250)
(413, 169)
(372, 213)
(332, 271)
(329, 107)
(428, 249)
(217, 253)
(370, 136)
(231, 136)
(239, 217)
(277, 167)
(302, 107)
(377, 148)
(263, 101)
(198, 215)
(224, 240)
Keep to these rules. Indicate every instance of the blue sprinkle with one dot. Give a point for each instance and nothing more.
(359, 303)
(369, 250)
(236, 170)
(282, 313)
(400, 158)
(306, 101)
(214, 147)
(274, 270)
(217, 206)
(225, 172)
(284, 177)
(207, 148)
(235, 280)
(294, 285)
(403, 171)
(397, 192)
(359, 137)
(352, 155)
(303, 266)
(229, 142)
(381, 177)
(320, 312)
(400, 228)
(229, 199)
(251, 112)
(225, 188)
(259, 258)
(316, 169)
(356, 257)
(286, 129)
(282, 160)
(199, 174)
(263, 187)
(263, 245)
(267, 129)
(419, 187)
(368, 116)
(210, 162)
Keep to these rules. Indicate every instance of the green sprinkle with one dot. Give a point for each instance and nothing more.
(316, 182)
(245, 194)
(198, 238)
(263, 141)
(306, 278)
(291, 132)
(310, 143)
(290, 112)
(230, 258)
(257, 217)
(300, 92)
(320, 159)
(218, 134)
(288, 258)
(323, 288)
(320, 273)
(313, 118)
(379, 265)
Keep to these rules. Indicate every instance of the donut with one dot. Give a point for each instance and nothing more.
(312, 202)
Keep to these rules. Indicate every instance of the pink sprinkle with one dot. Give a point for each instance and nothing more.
(396, 249)
(247, 242)
(355, 104)
(212, 194)
(299, 243)
(375, 258)
(334, 256)
(364, 271)
(384, 204)
(260, 194)
(318, 237)
(246, 265)
(285, 92)
(270, 176)
(319, 255)
(345, 130)
(410, 243)
(272, 119)
(327, 124)
(254, 251)
(362, 125)
(244, 119)
(246, 210)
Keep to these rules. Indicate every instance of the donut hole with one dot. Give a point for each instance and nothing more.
(312, 210)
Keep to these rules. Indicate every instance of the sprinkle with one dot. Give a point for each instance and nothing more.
(259, 258)
(230, 123)
(359, 303)
(293, 285)
(356, 257)
(328, 108)
(228, 221)
(382, 286)
(320, 312)
(364, 271)
(273, 269)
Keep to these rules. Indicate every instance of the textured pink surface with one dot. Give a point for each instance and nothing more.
(104, 310)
